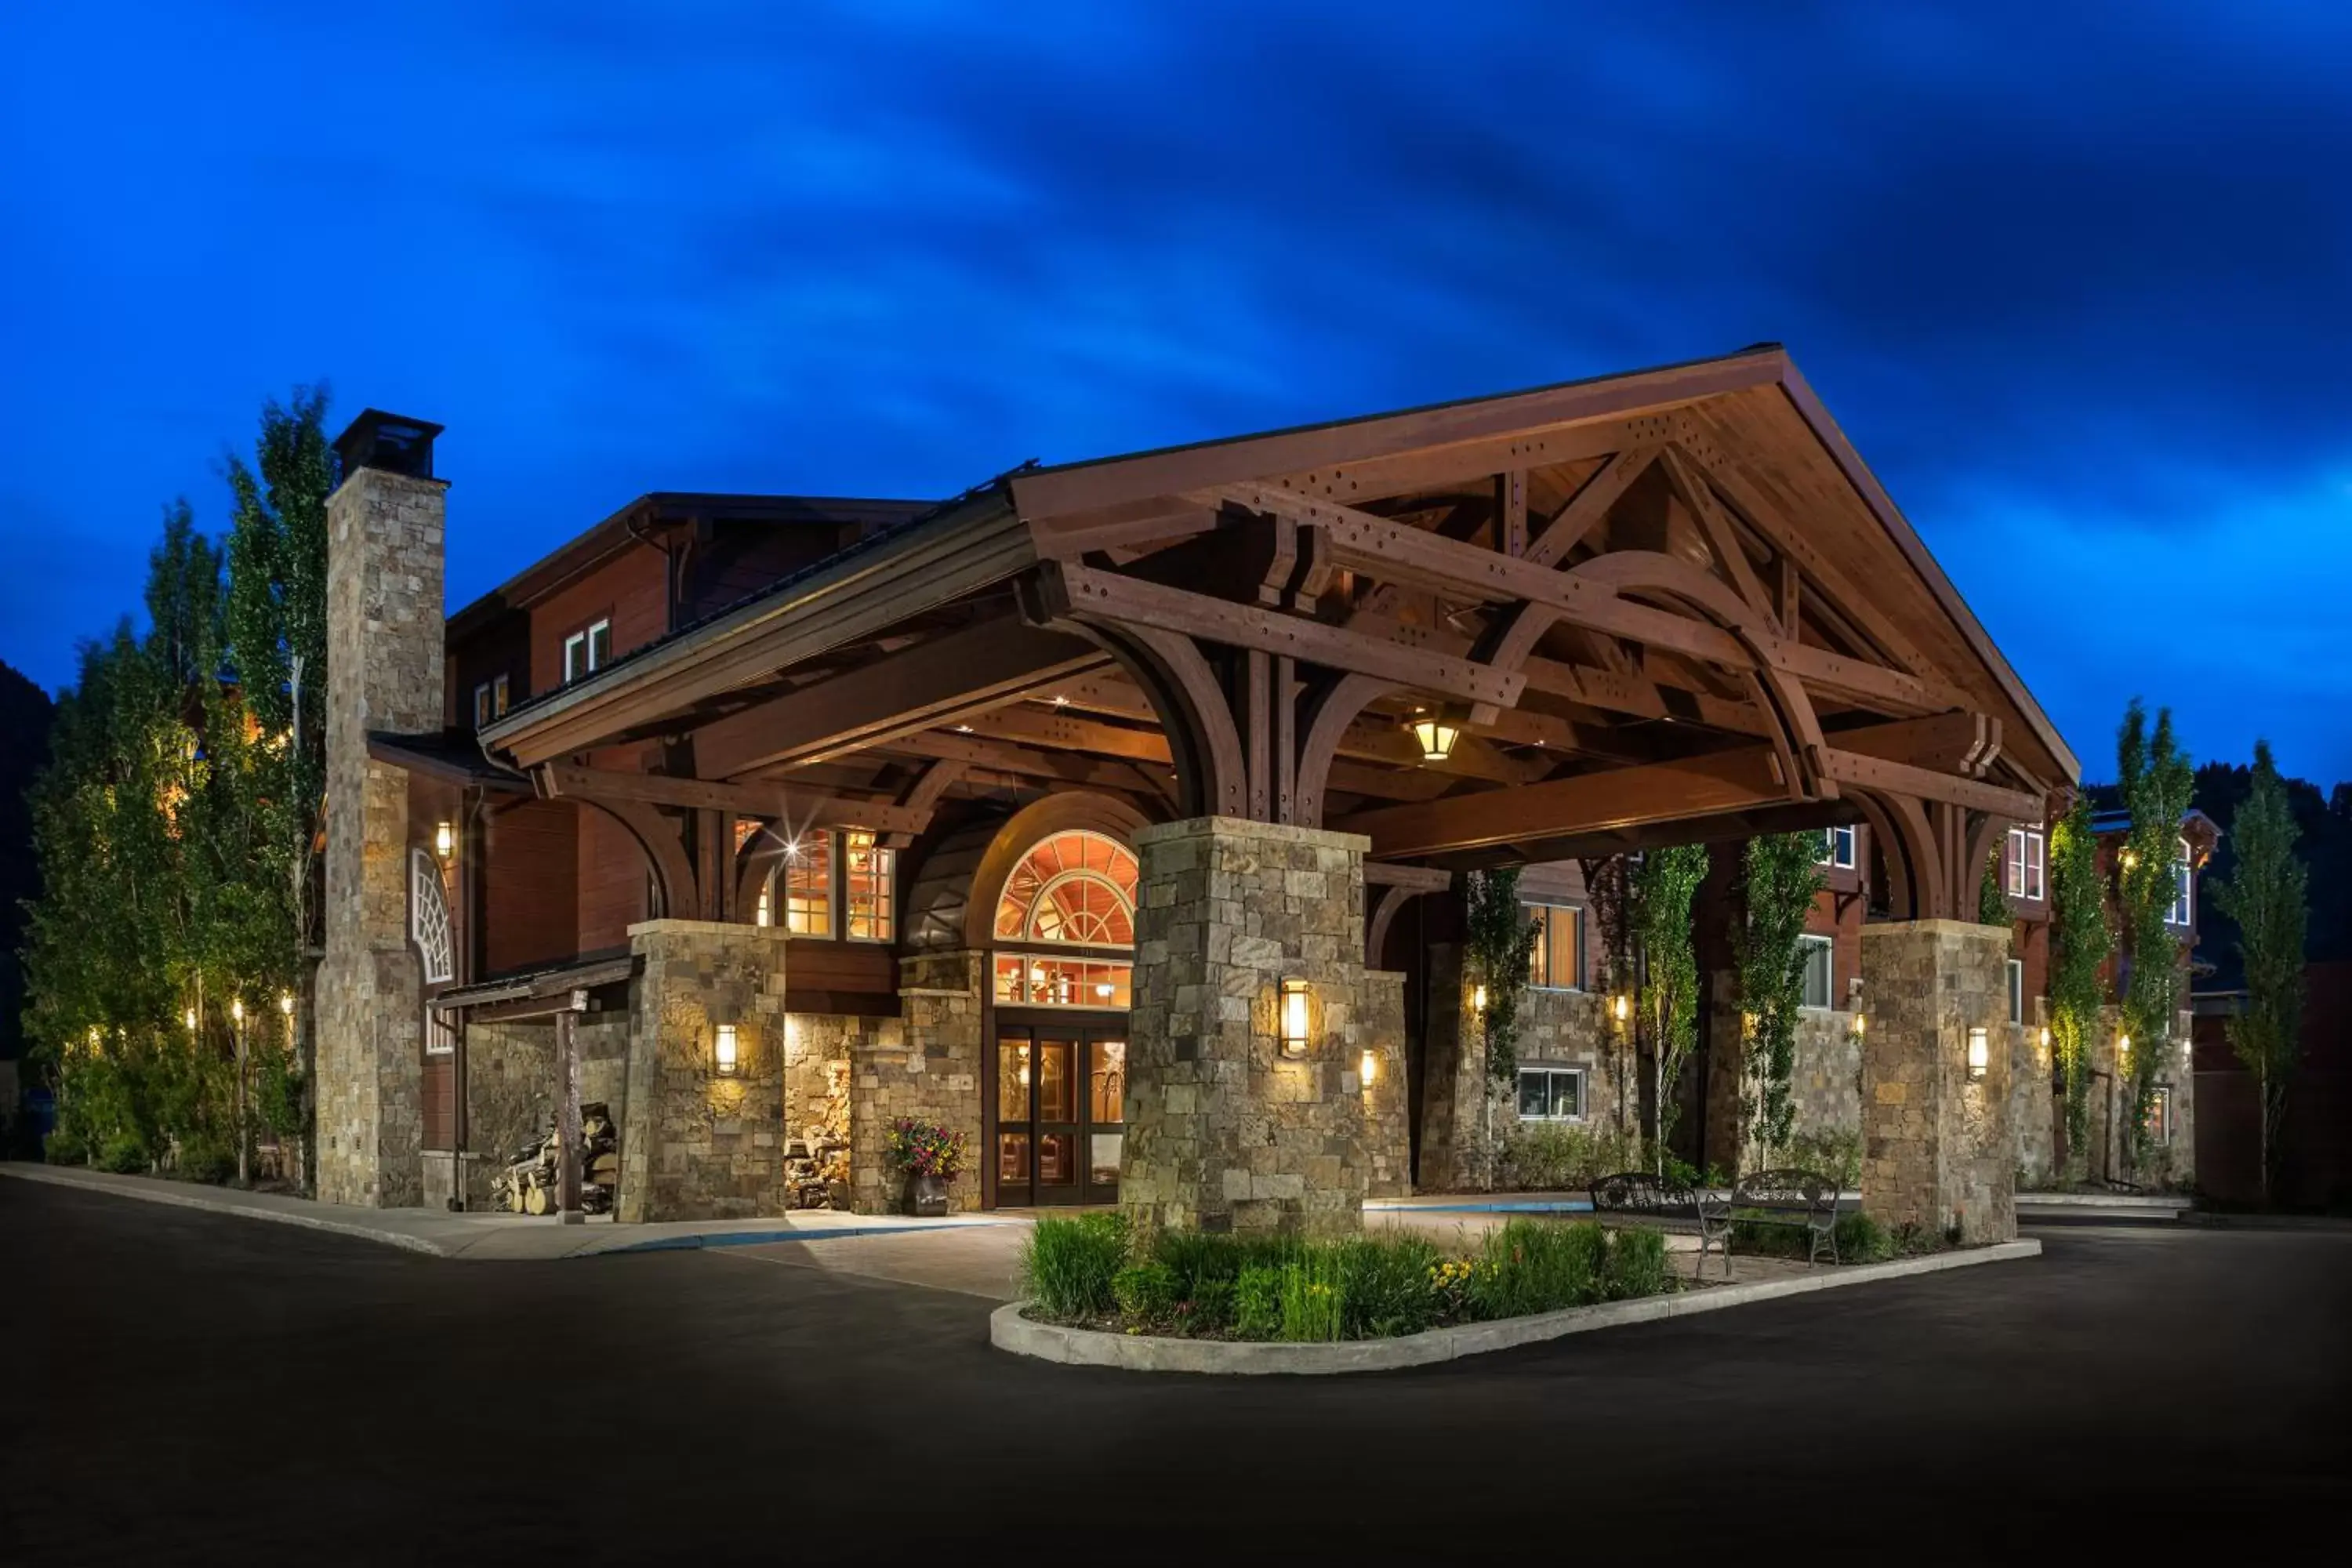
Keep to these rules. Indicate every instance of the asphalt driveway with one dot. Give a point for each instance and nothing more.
(188, 1387)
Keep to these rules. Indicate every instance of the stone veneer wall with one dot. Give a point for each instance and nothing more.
(1938, 1150)
(698, 1145)
(1825, 1080)
(924, 1064)
(1223, 1131)
(2033, 1104)
(510, 1095)
(1556, 1028)
(2175, 1164)
(384, 672)
(1387, 1144)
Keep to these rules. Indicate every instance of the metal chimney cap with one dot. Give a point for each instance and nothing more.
(393, 443)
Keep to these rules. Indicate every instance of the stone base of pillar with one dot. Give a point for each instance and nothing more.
(1225, 1129)
(699, 1143)
(371, 1080)
(1937, 1146)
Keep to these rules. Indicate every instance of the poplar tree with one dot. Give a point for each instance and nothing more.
(1781, 875)
(2155, 777)
(2269, 898)
(2080, 943)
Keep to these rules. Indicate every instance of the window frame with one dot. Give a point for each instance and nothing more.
(885, 924)
(1828, 945)
(593, 656)
(2016, 972)
(1832, 837)
(482, 714)
(2182, 913)
(1549, 1070)
(1544, 950)
(501, 696)
(2025, 864)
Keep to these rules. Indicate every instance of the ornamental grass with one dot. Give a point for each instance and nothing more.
(1088, 1271)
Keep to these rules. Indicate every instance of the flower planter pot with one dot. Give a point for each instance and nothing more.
(926, 1197)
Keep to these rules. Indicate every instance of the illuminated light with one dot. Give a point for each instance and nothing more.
(1980, 1053)
(2045, 1039)
(286, 1003)
(189, 1018)
(1295, 1025)
(1103, 989)
(792, 850)
(93, 1037)
(765, 913)
(237, 1010)
(1479, 999)
(1061, 702)
(725, 1050)
(1619, 1005)
(2123, 1046)
(445, 840)
(1370, 1067)
(963, 729)
(2131, 859)
(1435, 735)
(1860, 1023)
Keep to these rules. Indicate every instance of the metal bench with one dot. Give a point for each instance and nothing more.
(1642, 1194)
(1797, 1200)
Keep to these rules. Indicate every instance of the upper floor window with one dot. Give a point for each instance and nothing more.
(1557, 963)
(490, 702)
(1837, 846)
(808, 885)
(2184, 889)
(1818, 975)
(869, 873)
(1077, 887)
(587, 651)
(2023, 867)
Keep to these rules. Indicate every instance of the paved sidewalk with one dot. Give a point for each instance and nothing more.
(495, 1238)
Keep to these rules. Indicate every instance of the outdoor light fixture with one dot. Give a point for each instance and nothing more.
(725, 1050)
(1294, 1017)
(445, 840)
(1860, 1023)
(2131, 859)
(237, 1010)
(1436, 735)
(1479, 997)
(2123, 1046)
(1619, 1005)
(1369, 1069)
(1980, 1053)
(286, 1003)
(190, 1016)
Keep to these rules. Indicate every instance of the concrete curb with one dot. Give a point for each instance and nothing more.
(162, 1192)
(1009, 1330)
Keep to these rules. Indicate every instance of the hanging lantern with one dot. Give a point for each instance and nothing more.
(1437, 734)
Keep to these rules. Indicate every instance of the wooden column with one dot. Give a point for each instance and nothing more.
(567, 1109)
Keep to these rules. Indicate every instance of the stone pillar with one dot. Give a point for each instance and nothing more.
(1388, 1140)
(699, 1144)
(1223, 1131)
(384, 672)
(1937, 1147)
(926, 1067)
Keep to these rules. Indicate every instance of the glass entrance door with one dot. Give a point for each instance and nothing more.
(1060, 1104)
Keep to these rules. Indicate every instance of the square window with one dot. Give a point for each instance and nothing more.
(600, 645)
(2184, 876)
(2024, 863)
(1551, 1094)
(482, 714)
(1818, 971)
(575, 657)
(1838, 846)
(1557, 963)
(808, 885)
(498, 700)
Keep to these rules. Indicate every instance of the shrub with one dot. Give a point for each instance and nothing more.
(1541, 1157)
(1861, 1239)
(1069, 1267)
(65, 1147)
(123, 1154)
(1636, 1264)
(1538, 1265)
(205, 1159)
(1385, 1286)
(1257, 1302)
(1313, 1296)
(1837, 1155)
(1209, 1306)
(1146, 1293)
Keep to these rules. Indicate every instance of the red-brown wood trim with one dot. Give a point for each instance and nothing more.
(1023, 831)
(666, 855)
(1329, 713)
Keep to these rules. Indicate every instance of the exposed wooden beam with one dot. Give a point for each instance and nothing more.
(1690, 487)
(1417, 879)
(803, 808)
(1925, 783)
(1379, 548)
(918, 688)
(1739, 780)
(1065, 767)
(1082, 593)
(1958, 742)
(1586, 509)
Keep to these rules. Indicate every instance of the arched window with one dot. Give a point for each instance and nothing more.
(1077, 887)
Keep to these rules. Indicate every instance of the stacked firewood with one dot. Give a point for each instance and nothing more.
(531, 1183)
(816, 1177)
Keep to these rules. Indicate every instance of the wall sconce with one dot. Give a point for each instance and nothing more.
(1294, 1017)
(1862, 1024)
(1619, 1005)
(1369, 1069)
(1478, 998)
(725, 1050)
(1980, 1053)
(2123, 1046)
(1436, 735)
(445, 840)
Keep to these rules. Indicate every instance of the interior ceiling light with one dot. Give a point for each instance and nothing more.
(1435, 733)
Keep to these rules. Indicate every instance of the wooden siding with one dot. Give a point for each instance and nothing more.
(440, 1101)
(530, 858)
(500, 648)
(612, 883)
(631, 589)
(853, 977)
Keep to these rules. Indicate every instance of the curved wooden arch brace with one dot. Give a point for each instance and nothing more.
(1797, 730)
(666, 855)
(1985, 830)
(1212, 774)
(1023, 831)
(1329, 712)
(1384, 914)
(1918, 885)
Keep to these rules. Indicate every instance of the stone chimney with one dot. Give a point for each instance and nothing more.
(385, 647)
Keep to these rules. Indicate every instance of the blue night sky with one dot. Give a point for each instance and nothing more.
(2079, 292)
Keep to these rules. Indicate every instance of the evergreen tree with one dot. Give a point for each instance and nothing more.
(2267, 897)
(2154, 776)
